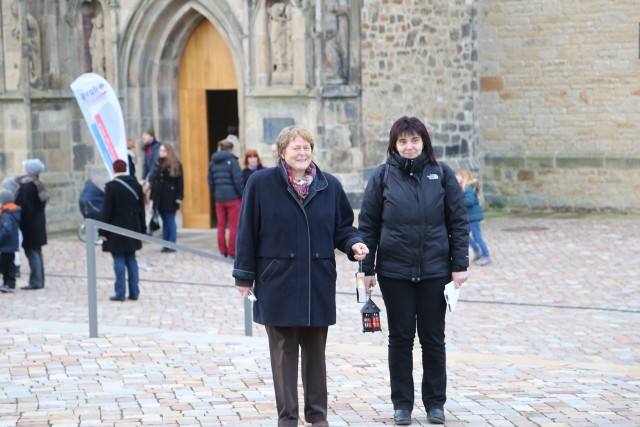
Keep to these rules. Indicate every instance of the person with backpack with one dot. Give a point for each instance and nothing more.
(9, 237)
(414, 222)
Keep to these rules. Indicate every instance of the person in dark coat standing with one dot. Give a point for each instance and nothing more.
(414, 221)
(9, 237)
(293, 218)
(225, 183)
(167, 190)
(123, 207)
(32, 198)
(252, 163)
(151, 147)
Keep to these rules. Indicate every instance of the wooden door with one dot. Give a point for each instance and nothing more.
(206, 65)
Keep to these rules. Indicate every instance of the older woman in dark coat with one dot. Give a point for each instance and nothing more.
(293, 217)
(32, 198)
(123, 207)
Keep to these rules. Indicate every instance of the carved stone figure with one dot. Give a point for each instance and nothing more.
(96, 45)
(31, 45)
(336, 32)
(280, 42)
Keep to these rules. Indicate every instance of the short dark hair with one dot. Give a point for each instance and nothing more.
(119, 166)
(410, 125)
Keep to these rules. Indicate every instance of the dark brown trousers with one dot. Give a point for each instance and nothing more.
(284, 343)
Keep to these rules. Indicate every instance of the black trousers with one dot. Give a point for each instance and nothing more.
(409, 306)
(284, 343)
(8, 269)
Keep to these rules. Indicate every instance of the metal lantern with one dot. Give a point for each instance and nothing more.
(370, 317)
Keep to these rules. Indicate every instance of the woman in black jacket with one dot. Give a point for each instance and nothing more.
(123, 207)
(167, 191)
(32, 198)
(413, 220)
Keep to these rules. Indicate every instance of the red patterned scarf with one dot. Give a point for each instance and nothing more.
(301, 185)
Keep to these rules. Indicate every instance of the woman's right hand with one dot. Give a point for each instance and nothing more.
(369, 283)
(244, 290)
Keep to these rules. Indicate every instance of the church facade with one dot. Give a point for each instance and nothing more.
(541, 105)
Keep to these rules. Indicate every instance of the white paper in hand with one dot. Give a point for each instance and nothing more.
(451, 295)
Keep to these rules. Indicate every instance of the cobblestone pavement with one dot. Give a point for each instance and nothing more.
(547, 335)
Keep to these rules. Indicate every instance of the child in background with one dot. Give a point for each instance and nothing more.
(470, 185)
(11, 183)
(9, 228)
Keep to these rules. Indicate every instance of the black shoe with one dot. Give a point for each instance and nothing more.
(167, 250)
(402, 417)
(114, 298)
(133, 298)
(435, 416)
(30, 288)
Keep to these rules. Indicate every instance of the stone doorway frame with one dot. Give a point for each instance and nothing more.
(150, 52)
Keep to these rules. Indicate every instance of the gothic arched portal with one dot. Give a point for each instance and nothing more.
(170, 51)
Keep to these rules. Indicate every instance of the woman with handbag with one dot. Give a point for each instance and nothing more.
(293, 217)
(123, 207)
(167, 190)
(413, 220)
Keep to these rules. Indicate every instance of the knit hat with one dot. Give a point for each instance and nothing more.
(150, 132)
(33, 166)
(6, 196)
(10, 183)
(119, 166)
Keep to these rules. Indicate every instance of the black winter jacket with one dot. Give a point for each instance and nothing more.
(416, 228)
(225, 177)
(122, 209)
(166, 189)
(33, 221)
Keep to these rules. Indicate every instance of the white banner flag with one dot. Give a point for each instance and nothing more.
(101, 110)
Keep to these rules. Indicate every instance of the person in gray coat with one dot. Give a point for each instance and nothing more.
(226, 185)
(32, 198)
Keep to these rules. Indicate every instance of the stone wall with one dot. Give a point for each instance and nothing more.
(558, 104)
(418, 60)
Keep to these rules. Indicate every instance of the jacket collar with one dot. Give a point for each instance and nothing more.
(318, 184)
(408, 166)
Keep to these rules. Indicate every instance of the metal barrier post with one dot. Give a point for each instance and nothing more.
(248, 318)
(90, 229)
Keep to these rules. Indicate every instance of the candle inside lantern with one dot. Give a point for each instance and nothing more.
(361, 293)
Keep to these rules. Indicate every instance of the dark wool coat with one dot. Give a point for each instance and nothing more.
(166, 189)
(9, 229)
(150, 159)
(122, 209)
(33, 221)
(417, 226)
(246, 173)
(287, 247)
(471, 201)
(225, 177)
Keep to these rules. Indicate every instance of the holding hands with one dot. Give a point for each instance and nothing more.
(360, 251)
